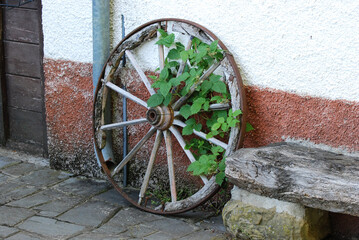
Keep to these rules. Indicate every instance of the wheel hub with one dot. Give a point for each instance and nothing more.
(160, 117)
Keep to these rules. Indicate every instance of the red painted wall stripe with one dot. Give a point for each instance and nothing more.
(275, 114)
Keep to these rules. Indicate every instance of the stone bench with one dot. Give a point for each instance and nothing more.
(300, 175)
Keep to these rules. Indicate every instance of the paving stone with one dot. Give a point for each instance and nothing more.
(125, 218)
(10, 216)
(24, 236)
(15, 192)
(205, 234)
(31, 201)
(114, 197)
(91, 213)
(42, 177)
(5, 161)
(137, 232)
(21, 169)
(4, 178)
(167, 225)
(96, 236)
(50, 228)
(58, 206)
(6, 231)
(160, 236)
(213, 223)
(82, 186)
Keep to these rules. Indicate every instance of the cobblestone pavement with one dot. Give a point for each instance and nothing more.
(37, 202)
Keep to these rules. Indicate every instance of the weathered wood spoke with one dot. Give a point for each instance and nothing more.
(161, 52)
(189, 154)
(123, 124)
(171, 172)
(146, 179)
(140, 72)
(219, 106)
(133, 152)
(184, 98)
(201, 135)
(126, 94)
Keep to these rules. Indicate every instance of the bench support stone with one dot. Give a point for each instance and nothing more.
(250, 216)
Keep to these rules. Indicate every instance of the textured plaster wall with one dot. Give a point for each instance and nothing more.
(304, 47)
(67, 27)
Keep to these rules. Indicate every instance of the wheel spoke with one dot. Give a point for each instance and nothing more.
(161, 52)
(219, 106)
(140, 72)
(202, 135)
(123, 124)
(189, 154)
(150, 166)
(171, 171)
(126, 94)
(183, 63)
(184, 98)
(133, 152)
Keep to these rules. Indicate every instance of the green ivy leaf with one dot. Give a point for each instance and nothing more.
(167, 100)
(173, 54)
(222, 165)
(215, 78)
(191, 121)
(206, 106)
(197, 105)
(162, 32)
(184, 56)
(220, 178)
(187, 130)
(206, 85)
(249, 127)
(180, 47)
(185, 111)
(165, 88)
(203, 165)
(197, 127)
(213, 46)
(177, 81)
(220, 120)
(216, 126)
(153, 77)
(237, 113)
(224, 127)
(167, 41)
(219, 87)
(164, 74)
(155, 100)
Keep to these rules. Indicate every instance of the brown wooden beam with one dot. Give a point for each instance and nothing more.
(313, 177)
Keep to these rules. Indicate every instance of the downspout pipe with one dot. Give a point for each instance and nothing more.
(101, 36)
(101, 51)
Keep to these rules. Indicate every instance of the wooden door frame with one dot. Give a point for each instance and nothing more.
(4, 117)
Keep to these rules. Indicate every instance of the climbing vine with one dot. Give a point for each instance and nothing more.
(199, 57)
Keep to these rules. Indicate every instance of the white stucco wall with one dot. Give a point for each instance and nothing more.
(67, 28)
(305, 47)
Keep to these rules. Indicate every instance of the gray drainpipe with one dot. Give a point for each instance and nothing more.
(101, 49)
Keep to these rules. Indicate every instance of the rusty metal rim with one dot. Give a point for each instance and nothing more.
(243, 106)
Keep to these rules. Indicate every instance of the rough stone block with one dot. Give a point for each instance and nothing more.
(250, 216)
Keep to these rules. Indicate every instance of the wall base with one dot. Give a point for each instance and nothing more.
(250, 216)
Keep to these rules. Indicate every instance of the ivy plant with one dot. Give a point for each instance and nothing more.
(210, 158)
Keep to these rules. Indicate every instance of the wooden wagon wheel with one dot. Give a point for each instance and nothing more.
(155, 134)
